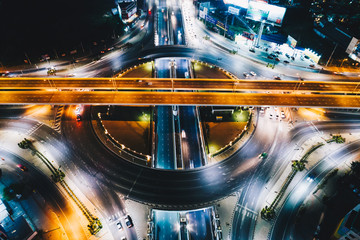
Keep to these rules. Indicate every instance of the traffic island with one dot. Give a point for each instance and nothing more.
(127, 131)
(223, 130)
(58, 176)
(286, 183)
(268, 213)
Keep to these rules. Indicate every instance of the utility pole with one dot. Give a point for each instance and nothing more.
(227, 15)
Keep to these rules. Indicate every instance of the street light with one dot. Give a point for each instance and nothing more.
(345, 59)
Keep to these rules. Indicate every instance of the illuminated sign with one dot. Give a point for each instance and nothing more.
(291, 41)
(239, 3)
(260, 11)
(233, 10)
(248, 35)
(354, 49)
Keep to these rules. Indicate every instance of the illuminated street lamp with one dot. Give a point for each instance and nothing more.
(345, 59)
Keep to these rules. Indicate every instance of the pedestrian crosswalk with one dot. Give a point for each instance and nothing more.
(34, 128)
(57, 123)
(246, 212)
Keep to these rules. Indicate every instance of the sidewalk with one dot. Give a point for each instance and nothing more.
(226, 209)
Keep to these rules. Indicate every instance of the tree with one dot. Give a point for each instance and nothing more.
(355, 168)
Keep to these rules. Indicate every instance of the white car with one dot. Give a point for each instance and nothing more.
(262, 110)
(282, 114)
(253, 73)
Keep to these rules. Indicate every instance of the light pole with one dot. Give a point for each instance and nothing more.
(345, 59)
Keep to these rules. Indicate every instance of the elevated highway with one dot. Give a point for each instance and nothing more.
(140, 91)
(179, 84)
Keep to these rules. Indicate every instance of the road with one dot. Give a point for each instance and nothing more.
(199, 224)
(283, 229)
(179, 83)
(86, 178)
(46, 188)
(180, 98)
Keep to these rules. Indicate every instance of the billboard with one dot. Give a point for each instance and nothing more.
(233, 10)
(260, 11)
(291, 42)
(248, 35)
(354, 49)
(239, 3)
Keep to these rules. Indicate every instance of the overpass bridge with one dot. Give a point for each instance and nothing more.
(143, 91)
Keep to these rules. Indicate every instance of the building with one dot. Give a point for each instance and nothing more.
(349, 227)
(127, 10)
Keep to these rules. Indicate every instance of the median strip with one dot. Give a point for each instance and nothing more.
(58, 176)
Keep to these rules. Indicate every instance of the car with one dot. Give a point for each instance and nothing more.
(277, 116)
(119, 225)
(282, 114)
(310, 178)
(78, 109)
(246, 74)
(123, 238)
(183, 134)
(270, 57)
(252, 50)
(263, 155)
(252, 73)
(287, 55)
(23, 168)
(273, 55)
(262, 110)
(128, 221)
(312, 65)
(277, 78)
(78, 118)
(286, 61)
(277, 59)
(270, 116)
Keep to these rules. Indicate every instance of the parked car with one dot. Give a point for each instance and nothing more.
(253, 73)
(78, 118)
(128, 221)
(277, 78)
(286, 61)
(282, 114)
(277, 59)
